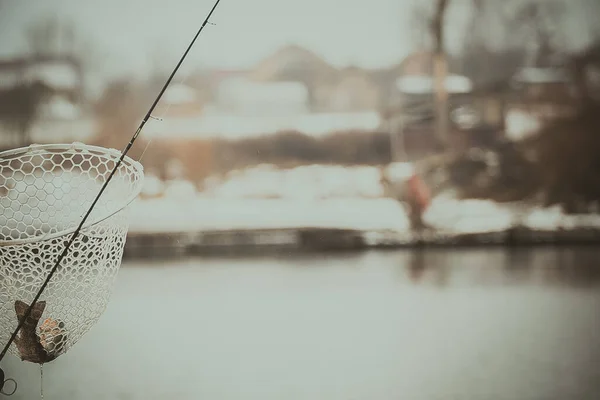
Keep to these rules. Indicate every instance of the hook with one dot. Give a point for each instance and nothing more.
(3, 383)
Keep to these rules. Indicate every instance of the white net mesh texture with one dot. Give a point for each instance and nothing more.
(44, 193)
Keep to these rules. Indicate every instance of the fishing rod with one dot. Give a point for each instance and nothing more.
(87, 214)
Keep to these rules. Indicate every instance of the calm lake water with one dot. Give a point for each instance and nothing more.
(480, 324)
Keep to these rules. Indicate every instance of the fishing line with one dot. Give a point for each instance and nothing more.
(114, 170)
(145, 148)
(164, 113)
(162, 117)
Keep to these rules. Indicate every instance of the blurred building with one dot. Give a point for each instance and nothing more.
(411, 118)
(181, 100)
(296, 64)
(330, 89)
(476, 111)
(354, 91)
(544, 90)
(293, 89)
(538, 95)
(417, 63)
(242, 96)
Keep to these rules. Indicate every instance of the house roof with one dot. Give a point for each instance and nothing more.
(60, 72)
(541, 75)
(240, 90)
(291, 58)
(17, 63)
(419, 62)
(423, 84)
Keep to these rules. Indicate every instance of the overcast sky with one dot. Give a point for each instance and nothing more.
(130, 33)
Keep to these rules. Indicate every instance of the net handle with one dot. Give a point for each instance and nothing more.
(139, 169)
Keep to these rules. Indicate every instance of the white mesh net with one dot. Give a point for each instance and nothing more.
(44, 193)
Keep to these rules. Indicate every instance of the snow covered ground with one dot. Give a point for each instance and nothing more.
(521, 125)
(554, 218)
(320, 196)
(467, 216)
(233, 126)
(202, 213)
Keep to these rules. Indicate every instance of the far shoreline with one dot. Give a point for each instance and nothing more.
(292, 241)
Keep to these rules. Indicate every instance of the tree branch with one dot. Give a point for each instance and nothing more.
(437, 25)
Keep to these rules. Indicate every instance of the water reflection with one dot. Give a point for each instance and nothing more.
(568, 266)
(417, 265)
(420, 325)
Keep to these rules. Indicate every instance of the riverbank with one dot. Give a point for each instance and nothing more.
(290, 241)
(447, 325)
(163, 228)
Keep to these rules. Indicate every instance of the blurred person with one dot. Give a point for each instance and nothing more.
(418, 198)
(410, 190)
(416, 266)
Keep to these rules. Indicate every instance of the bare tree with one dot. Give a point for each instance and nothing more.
(52, 36)
(567, 149)
(493, 46)
(119, 110)
(20, 108)
(20, 105)
(419, 25)
(440, 70)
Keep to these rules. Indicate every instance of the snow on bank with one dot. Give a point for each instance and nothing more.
(308, 196)
(323, 196)
(171, 214)
(201, 213)
(306, 182)
(267, 197)
(521, 125)
(553, 218)
(232, 126)
(467, 216)
(198, 213)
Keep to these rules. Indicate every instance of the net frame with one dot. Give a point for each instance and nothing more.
(58, 148)
(103, 235)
